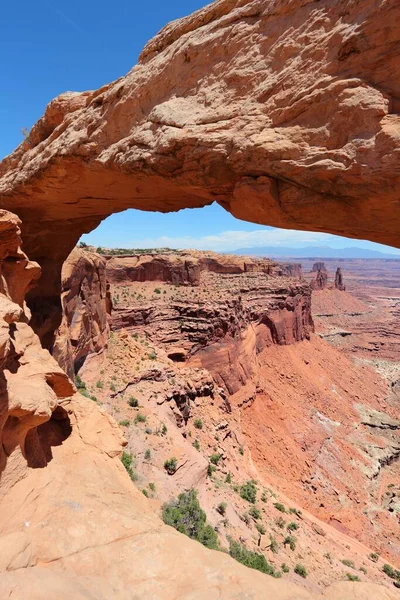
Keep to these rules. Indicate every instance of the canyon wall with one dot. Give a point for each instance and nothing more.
(296, 127)
(86, 307)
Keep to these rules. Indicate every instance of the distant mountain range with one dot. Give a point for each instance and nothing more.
(314, 252)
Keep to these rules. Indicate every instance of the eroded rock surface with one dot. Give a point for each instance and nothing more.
(285, 112)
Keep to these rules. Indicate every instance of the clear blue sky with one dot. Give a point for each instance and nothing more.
(51, 46)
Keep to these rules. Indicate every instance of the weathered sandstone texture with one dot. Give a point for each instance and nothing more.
(321, 280)
(86, 306)
(339, 284)
(285, 111)
(72, 523)
(232, 310)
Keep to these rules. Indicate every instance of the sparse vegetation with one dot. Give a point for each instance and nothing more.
(152, 486)
(280, 522)
(79, 384)
(196, 444)
(157, 291)
(351, 577)
(273, 545)
(152, 355)
(145, 493)
(254, 560)
(348, 563)
(285, 568)
(290, 540)
(170, 465)
(186, 515)
(99, 384)
(147, 454)
(301, 570)
(295, 511)
(125, 423)
(140, 418)
(211, 469)
(292, 526)
(374, 556)
(392, 573)
(248, 491)
(221, 508)
(255, 513)
(215, 458)
(228, 478)
(260, 528)
(128, 462)
(279, 507)
(198, 423)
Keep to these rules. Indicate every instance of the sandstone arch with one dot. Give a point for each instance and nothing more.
(283, 111)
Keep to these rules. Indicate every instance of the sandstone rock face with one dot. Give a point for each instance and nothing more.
(296, 127)
(321, 280)
(235, 309)
(72, 523)
(339, 285)
(318, 266)
(86, 306)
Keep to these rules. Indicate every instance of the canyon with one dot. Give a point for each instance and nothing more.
(286, 114)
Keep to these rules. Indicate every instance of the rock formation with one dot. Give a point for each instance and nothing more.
(339, 285)
(321, 280)
(318, 266)
(86, 305)
(293, 130)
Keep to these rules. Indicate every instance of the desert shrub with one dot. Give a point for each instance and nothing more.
(273, 545)
(241, 451)
(99, 384)
(152, 486)
(196, 444)
(145, 493)
(164, 429)
(186, 515)
(147, 454)
(254, 560)
(290, 540)
(351, 577)
(390, 572)
(228, 478)
(285, 568)
(221, 508)
(157, 291)
(280, 522)
(279, 507)
(260, 528)
(79, 384)
(300, 570)
(246, 519)
(295, 511)
(264, 496)
(170, 465)
(255, 513)
(152, 355)
(348, 563)
(128, 462)
(140, 418)
(363, 570)
(292, 526)
(215, 458)
(248, 491)
(211, 469)
(198, 423)
(112, 387)
(125, 423)
(374, 556)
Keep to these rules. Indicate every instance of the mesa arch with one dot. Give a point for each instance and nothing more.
(283, 111)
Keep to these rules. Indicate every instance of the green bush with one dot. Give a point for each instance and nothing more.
(260, 528)
(186, 515)
(228, 478)
(291, 541)
(157, 291)
(112, 387)
(273, 545)
(295, 511)
(280, 522)
(99, 384)
(351, 577)
(125, 423)
(145, 493)
(221, 508)
(285, 568)
(79, 384)
(152, 355)
(140, 418)
(215, 458)
(301, 570)
(254, 560)
(147, 454)
(255, 513)
(196, 444)
(374, 556)
(292, 526)
(170, 465)
(211, 469)
(248, 491)
(279, 507)
(128, 462)
(348, 563)
(152, 486)
(390, 572)
(198, 423)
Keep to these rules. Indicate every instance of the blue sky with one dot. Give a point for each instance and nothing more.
(51, 46)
